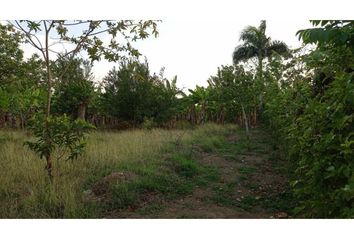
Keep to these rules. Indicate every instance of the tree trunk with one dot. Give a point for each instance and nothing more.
(49, 167)
(255, 116)
(193, 114)
(247, 130)
(245, 118)
(22, 122)
(260, 74)
(81, 111)
(47, 137)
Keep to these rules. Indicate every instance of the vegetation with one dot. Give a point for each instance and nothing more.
(301, 99)
(138, 155)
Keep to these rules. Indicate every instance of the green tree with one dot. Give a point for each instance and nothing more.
(74, 91)
(132, 94)
(20, 81)
(256, 44)
(234, 89)
(84, 36)
(11, 55)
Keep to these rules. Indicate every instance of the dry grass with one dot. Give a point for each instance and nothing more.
(25, 191)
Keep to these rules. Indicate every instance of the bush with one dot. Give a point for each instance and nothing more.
(148, 123)
(322, 146)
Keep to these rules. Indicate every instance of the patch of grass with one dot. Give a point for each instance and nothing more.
(212, 143)
(123, 195)
(211, 174)
(243, 177)
(185, 166)
(25, 191)
(170, 185)
(24, 184)
(252, 185)
(150, 209)
(228, 149)
(283, 201)
(247, 203)
(224, 195)
(247, 170)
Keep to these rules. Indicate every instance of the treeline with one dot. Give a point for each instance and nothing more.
(127, 96)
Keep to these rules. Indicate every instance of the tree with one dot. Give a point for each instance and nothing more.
(11, 55)
(234, 89)
(20, 81)
(75, 89)
(132, 94)
(87, 40)
(256, 44)
(199, 102)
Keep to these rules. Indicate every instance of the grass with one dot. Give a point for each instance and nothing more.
(160, 167)
(223, 195)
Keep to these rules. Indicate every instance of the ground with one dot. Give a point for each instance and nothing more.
(252, 184)
(206, 171)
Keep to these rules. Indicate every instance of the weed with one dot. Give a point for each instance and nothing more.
(150, 209)
(247, 203)
(247, 170)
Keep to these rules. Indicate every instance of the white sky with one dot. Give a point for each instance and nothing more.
(194, 49)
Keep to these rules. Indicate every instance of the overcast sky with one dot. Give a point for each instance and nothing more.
(194, 49)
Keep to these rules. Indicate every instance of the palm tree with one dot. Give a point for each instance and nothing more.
(257, 45)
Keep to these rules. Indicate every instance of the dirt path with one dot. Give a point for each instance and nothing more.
(252, 184)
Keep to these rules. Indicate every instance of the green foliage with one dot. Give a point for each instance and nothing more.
(323, 146)
(88, 38)
(257, 44)
(313, 115)
(10, 53)
(63, 133)
(333, 32)
(75, 89)
(133, 94)
(148, 123)
(232, 88)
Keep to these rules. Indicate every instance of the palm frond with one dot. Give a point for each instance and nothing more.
(278, 47)
(250, 35)
(262, 27)
(243, 53)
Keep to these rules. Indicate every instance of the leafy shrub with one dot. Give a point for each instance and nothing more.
(148, 123)
(314, 120)
(57, 133)
(323, 142)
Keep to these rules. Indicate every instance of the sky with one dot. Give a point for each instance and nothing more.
(194, 49)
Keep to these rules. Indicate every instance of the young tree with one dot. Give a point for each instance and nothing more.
(82, 36)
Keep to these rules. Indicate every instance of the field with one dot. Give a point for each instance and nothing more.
(211, 171)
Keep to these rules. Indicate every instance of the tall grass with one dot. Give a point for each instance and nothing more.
(25, 190)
